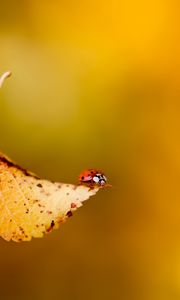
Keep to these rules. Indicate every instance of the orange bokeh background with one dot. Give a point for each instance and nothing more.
(96, 84)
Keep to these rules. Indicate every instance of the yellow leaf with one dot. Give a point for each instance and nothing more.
(30, 206)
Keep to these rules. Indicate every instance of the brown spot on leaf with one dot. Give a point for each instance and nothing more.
(73, 205)
(35, 201)
(69, 214)
(39, 185)
(51, 226)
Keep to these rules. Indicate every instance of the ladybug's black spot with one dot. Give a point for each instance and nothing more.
(82, 177)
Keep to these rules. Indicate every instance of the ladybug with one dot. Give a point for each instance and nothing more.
(92, 177)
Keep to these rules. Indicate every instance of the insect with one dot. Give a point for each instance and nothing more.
(92, 177)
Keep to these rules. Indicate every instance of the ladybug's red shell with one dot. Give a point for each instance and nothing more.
(92, 177)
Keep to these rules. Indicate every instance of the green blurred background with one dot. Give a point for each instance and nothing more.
(96, 84)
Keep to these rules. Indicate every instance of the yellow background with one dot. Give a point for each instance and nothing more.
(96, 84)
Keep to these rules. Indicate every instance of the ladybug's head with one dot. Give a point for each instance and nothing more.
(99, 178)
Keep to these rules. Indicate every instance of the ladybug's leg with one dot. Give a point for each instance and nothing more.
(91, 184)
